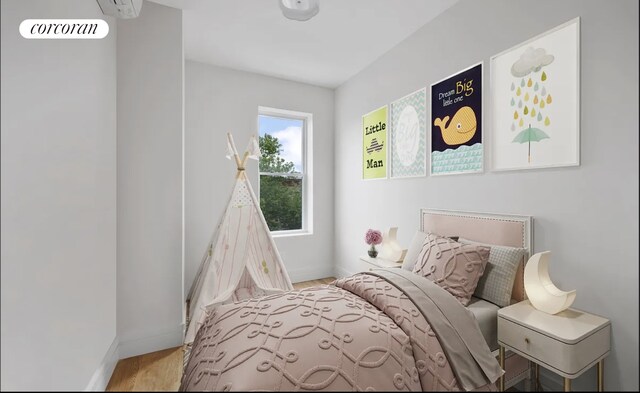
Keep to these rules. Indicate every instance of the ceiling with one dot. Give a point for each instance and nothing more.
(345, 36)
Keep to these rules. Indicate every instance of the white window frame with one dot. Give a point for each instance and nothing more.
(307, 166)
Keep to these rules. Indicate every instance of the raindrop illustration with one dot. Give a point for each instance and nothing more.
(533, 112)
(521, 123)
(549, 99)
(535, 99)
(513, 127)
(518, 92)
(520, 104)
(513, 102)
(522, 82)
(541, 103)
(544, 76)
(513, 86)
(526, 110)
(544, 91)
(526, 97)
(515, 114)
(546, 121)
(529, 83)
(539, 116)
(536, 87)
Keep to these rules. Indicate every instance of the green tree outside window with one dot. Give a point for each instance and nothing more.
(280, 187)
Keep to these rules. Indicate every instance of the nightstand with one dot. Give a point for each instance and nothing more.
(567, 343)
(367, 263)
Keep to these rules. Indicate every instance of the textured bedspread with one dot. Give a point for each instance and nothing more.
(362, 333)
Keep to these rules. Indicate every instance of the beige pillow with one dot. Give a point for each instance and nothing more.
(454, 266)
(415, 248)
(413, 251)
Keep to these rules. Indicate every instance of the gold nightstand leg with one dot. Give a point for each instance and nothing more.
(536, 373)
(601, 375)
(567, 385)
(501, 356)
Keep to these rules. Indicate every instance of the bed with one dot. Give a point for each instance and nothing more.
(388, 329)
(500, 229)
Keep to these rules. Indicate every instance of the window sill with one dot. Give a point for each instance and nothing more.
(301, 232)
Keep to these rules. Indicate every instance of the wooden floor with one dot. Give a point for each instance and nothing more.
(155, 371)
(313, 283)
(162, 370)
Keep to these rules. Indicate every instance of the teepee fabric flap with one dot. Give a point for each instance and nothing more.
(254, 149)
(230, 152)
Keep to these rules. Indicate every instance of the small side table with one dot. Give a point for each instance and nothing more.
(567, 343)
(367, 263)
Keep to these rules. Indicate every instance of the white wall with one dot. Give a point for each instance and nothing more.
(587, 216)
(58, 200)
(150, 122)
(220, 100)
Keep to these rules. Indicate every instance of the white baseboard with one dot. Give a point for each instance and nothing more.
(150, 342)
(310, 273)
(102, 375)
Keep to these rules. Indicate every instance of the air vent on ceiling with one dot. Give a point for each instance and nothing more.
(124, 9)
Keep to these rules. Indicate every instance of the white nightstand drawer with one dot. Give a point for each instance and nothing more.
(566, 359)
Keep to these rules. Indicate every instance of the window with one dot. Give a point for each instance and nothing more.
(285, 197)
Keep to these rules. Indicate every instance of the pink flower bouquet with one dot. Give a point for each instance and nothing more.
(373, 237)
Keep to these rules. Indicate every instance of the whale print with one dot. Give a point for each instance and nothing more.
(460, 129)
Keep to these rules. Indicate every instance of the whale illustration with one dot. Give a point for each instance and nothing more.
(461, 128)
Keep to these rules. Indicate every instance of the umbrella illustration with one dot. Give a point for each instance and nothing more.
(529, 135)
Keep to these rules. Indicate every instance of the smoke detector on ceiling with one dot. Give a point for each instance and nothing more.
(124, 9)
(300, 10)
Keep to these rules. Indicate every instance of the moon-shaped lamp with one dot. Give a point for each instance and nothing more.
(391, 250)
(541, 291)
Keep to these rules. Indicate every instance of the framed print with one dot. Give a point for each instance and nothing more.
(374, 144)
(535, 101)
(456, 123)
(407, 147)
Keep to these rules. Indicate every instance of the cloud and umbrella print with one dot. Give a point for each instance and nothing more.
(530, 97)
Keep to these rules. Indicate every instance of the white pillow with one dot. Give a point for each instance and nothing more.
(414, 249)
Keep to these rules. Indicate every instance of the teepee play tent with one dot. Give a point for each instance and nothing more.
(241, 260)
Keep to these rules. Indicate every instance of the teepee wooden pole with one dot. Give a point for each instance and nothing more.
(239, 162)
(235, 151)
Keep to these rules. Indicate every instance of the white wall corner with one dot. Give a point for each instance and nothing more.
(141, 344)
(340, 271)
(102, 375)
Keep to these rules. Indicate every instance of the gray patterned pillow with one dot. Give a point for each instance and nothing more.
(496, 284)
(452, 265)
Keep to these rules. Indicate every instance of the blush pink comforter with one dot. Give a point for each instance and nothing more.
(360, 333)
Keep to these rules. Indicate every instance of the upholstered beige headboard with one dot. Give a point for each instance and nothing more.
(501, 229)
